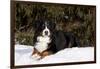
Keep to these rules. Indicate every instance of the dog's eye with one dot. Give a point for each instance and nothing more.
(47, 24)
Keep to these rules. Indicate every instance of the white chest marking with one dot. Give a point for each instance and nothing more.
(42, 43)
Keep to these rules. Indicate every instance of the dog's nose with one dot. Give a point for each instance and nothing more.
(46, 32)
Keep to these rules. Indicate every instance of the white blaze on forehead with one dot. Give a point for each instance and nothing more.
(42, 43)
(45, 23)
(46, 29)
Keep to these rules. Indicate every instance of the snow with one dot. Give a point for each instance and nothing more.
(23, 55)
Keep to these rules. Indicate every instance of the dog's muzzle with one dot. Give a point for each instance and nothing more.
(46, 32)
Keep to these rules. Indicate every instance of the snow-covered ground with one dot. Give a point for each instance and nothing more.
(23, 55)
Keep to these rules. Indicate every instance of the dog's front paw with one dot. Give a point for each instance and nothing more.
(36, 56)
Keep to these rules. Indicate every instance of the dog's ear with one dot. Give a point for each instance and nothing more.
(53, 25)
(36, 24)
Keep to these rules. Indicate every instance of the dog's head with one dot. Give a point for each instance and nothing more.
(44, 28)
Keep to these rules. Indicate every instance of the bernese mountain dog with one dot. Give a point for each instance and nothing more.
(47, 40)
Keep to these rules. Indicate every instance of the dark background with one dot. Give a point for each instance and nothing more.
(81, 20)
